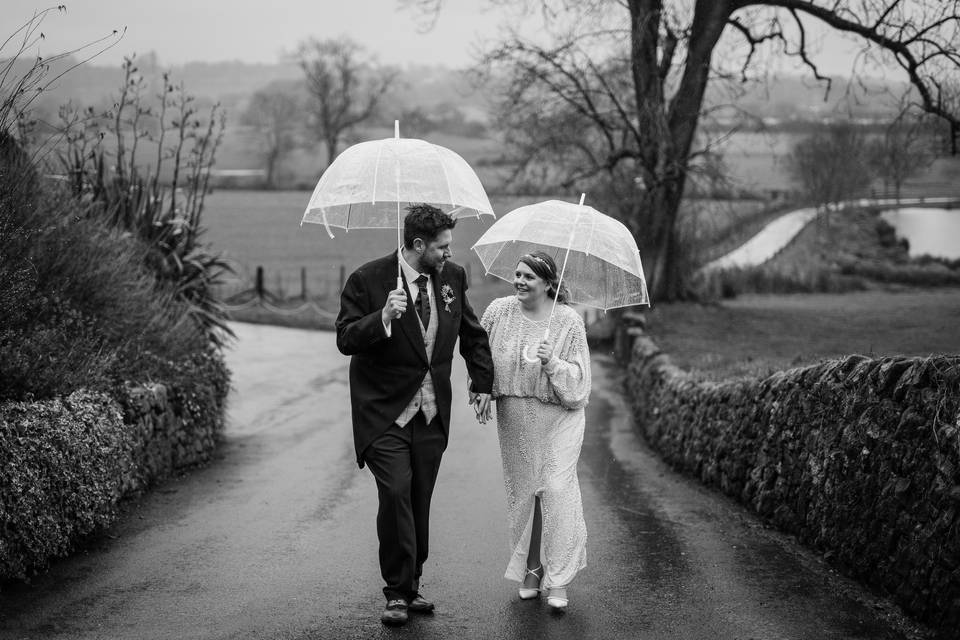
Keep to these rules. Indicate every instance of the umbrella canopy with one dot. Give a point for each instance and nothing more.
(368, 185)
(601, 262)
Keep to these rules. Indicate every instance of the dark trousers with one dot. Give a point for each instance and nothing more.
(405, 461)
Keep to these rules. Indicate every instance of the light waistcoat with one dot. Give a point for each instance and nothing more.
(425, 399)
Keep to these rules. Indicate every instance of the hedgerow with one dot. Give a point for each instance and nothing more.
(62, 462)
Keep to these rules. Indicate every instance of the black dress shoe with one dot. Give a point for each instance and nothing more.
(419, 605)
(395, 613)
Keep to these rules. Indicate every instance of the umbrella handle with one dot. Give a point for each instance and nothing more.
(399, 278)
(563, 269)
(526, 349)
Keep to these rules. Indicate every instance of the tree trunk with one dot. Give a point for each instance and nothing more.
(272, 168)
(665, 277)
(332, 143)
(671, 131)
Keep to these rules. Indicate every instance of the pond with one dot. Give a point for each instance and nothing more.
(935, 232)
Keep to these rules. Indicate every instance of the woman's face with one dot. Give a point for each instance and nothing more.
(530, 287)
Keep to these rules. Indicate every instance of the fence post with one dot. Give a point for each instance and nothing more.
(303, 283)
(259, 281)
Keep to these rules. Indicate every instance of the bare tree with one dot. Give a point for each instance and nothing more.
(345, 85)
(275, 113)
(629, 78)
(902, 151)
(832, 165)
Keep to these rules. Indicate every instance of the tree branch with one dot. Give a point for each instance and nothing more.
(755, 41)
(802, 52)
(895, 42)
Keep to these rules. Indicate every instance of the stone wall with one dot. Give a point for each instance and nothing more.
(166, 435)
(859, 458)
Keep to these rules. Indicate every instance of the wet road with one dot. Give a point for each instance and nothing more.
(276, 538)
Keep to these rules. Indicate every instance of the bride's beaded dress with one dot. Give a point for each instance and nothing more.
(540, 422)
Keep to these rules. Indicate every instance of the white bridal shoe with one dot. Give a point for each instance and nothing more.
(557, 599)
(529, 593)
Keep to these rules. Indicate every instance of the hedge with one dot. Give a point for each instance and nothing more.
(66, 463)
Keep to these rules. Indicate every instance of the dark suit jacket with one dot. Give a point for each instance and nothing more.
(385, 373)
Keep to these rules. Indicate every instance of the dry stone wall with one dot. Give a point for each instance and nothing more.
(859, 458)
(166, 435)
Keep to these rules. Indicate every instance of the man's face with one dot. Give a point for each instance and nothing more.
(436, 252)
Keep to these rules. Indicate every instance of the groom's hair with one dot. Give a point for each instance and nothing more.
(424, 221)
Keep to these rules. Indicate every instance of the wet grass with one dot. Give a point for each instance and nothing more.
(759, 334)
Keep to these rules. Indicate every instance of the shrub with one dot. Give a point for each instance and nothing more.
(927, 259)
(198, 383)
(919, 274)
(96, 294)
(66, 463)
(78, 307)
(61, 465)
(161, 205)
(105, 270)
(729, 283)
(886, 234)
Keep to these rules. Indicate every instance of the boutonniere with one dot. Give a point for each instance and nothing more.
(446, 295)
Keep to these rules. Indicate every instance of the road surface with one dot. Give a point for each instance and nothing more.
(275, 538)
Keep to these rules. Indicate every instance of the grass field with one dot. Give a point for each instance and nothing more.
(749, 335)
(755, 335)
(262, 228)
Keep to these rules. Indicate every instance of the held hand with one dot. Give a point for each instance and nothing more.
(472, 397)
(483, 407)
(395, 305)
(545, 351)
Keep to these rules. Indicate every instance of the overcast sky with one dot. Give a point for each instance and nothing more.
(261, 31)
(258, 31)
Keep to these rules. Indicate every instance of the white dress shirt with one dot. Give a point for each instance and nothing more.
(409, 275)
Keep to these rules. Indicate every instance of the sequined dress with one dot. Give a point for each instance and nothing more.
(540, 423)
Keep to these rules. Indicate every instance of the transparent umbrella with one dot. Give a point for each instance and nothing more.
(370, 183)
(600, 262)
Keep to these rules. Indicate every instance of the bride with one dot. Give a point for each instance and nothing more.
(541, 386)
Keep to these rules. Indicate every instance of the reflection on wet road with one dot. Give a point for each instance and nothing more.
(276, 538)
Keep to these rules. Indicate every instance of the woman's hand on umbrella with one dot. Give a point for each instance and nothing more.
(545, 351)
(395, 305)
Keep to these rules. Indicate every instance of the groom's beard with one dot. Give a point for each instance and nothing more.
(434, 269)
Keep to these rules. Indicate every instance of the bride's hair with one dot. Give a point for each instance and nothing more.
(546, 269)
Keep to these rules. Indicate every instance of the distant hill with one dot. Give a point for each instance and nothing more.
(231, 83)
(786, 106)
(783, 97)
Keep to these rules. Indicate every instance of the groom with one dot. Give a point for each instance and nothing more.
(401, 342)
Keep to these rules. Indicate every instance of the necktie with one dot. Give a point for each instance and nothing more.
(423, 301)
